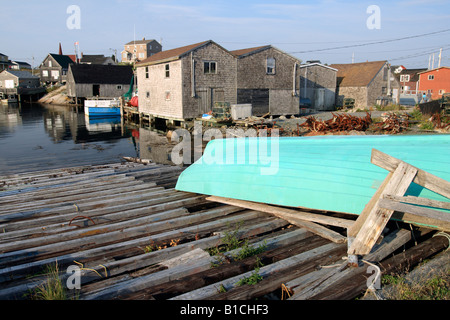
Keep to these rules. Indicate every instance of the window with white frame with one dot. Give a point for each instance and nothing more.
(209, 67)
(431, 77)
(270, 66)
(119, 87)
(441, 91)
(141, 55)
(167, 69)
(404, 78)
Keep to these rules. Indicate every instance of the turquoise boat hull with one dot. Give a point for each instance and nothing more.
(332, 173)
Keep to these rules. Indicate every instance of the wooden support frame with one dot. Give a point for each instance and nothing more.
(301, 219)
(389, 198)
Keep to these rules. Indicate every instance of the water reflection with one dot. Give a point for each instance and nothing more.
(39, 137)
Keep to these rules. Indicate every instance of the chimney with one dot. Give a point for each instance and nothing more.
(60, 49)
(143, 38)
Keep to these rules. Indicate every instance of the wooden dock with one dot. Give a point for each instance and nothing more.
(133, 236)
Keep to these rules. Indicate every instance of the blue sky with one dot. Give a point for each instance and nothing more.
(306, 29)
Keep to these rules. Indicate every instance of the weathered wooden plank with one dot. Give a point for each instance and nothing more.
(105, 234)
(117, 267)
(418, 215)
(378, 217)
(234, 268)
(323, 280)
(354, 229)
(93, 249)
(211, 290)
(60, 221)
(419, 201)
(356, 283)
(192, 263)
(285, 212)
(293, 217)
(423, 178)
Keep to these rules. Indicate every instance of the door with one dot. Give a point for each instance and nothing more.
(204, 100)
(96, 90)
(320, 99)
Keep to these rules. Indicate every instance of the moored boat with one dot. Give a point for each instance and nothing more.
(102, 108)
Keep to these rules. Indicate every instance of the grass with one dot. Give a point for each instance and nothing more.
(52, 288)
(254, 278)
(431, 285)
(390, 107)
(435, 288)
(231, 242)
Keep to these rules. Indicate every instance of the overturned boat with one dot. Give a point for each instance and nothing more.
(332, 173)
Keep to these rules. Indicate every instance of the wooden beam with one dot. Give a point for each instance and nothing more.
(300, 219)
(378, 217)
(429, 217)
(423, 178)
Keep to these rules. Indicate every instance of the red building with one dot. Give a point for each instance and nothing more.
(435, 81)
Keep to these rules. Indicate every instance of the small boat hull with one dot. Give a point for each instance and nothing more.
(102, 108)
(331, 173)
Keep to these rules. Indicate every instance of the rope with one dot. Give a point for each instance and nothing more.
(81, 217)
(371, 288)
(283, 290)
(93, 270)
(443, 234)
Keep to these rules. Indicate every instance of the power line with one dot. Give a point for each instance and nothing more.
(372, 43)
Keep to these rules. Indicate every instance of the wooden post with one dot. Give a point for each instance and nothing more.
(378, 217)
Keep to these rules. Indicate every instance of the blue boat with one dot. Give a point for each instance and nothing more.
(102, 108)
(331, 173)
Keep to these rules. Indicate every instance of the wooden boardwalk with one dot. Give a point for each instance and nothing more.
(133, 236)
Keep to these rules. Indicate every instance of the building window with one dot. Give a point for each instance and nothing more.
(146, 72)
(441, 91)
(431, 77)
(44, 73)
(270, 66)
(429, 91)
(383, 90)
(147, 94)
(141, 55)
(385, 74)
(50, 63)
(167, 70)
(119, 87)
(404, 78)
(167, 95)
(210, 67)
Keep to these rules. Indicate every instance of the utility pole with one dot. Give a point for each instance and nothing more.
(440, 56)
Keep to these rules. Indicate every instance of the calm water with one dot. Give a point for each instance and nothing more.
(39, 137)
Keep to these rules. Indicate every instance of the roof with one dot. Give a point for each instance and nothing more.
(434, 69)
(22, 74)
(246, 52)
(242, 53)
(143, 41)
(317, 64)
(63, 60)
(94, 58)
(101, 74)
(173, 54)
(357, 74)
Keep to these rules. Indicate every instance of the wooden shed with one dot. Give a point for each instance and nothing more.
(95, 80)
